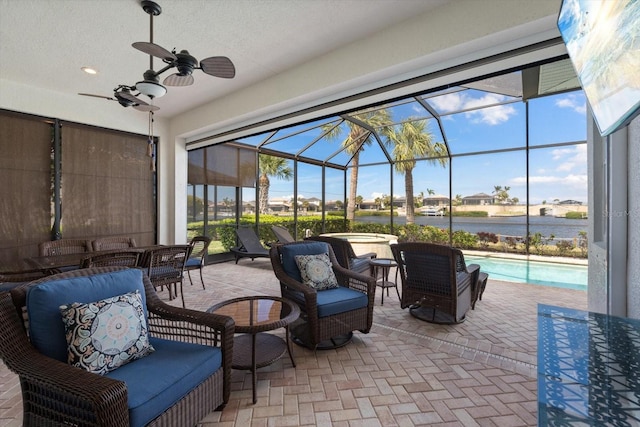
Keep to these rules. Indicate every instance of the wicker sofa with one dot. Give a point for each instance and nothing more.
(185, 378)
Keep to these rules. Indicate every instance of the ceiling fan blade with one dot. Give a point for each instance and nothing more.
(178, 80)
(218, 66)
(98, 96)
(131, 97)
(146, 107)
(155, 50)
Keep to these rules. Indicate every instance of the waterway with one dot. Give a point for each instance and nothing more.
(505, 226)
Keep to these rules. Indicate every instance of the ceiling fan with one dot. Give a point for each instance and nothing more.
(123, 94)
(183, 62)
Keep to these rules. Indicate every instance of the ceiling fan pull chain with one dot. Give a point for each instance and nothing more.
(150, 143)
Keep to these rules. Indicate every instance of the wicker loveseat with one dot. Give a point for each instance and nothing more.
(185, 378)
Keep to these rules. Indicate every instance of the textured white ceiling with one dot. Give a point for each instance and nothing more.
(44, 43)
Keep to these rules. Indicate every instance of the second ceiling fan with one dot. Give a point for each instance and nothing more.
(183, 62)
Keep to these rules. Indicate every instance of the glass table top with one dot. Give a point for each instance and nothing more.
(588, 368)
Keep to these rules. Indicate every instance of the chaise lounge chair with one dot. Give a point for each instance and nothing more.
(250, 245)
(282, 234)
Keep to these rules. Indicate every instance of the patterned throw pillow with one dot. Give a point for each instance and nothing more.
(103, 335)
(316, 271)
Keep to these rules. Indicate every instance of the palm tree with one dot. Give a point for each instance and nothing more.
(412, 140)
(271, 166)
(357, 138)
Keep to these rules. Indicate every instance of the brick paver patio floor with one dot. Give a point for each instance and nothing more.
(404, 372)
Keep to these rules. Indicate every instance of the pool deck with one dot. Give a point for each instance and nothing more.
(537, 258)
(404, 372)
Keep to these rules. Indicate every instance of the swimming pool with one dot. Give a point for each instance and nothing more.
(539, 273)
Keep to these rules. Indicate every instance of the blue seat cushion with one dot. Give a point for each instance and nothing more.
(46, 329)
(193, 262)
(289, 253)
(340, 300)
(157, 381)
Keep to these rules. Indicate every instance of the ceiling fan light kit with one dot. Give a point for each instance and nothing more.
(183, 61)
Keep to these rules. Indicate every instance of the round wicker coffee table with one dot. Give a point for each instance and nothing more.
(254, 316)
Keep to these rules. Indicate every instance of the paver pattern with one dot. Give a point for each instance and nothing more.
(405, 372)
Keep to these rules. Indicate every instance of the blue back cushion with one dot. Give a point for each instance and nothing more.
(46, 329)
(290, 251)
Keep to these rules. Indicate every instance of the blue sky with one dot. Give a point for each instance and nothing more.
(555, 173)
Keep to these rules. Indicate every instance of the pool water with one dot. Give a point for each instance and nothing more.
(539, 273)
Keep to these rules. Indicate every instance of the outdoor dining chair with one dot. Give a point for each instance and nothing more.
(165, 267)
(130, 259)
(197, 257)
(111, 243)
(64, 247)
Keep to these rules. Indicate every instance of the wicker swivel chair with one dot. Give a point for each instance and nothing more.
(345, 255)
(113, 243)
(64, 246)
(328, 317)
(197, 257)
(437, 286)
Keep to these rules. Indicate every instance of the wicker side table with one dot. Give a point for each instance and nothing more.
(254, 316)
(384, 264)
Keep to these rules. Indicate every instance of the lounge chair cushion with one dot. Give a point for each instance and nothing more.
(316, 271)
(289, 253)
(106, 334)
(157, 381)
(46, 329)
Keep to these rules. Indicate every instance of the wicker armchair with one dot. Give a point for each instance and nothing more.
(64, 247)
(56, 393)
(318, 331)
(345, 255)
(437, 286)
(113, 243)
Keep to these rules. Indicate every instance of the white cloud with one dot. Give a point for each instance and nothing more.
(447, 103)
(571, 157)
(573, 102)
(461, 101)
(492, 115)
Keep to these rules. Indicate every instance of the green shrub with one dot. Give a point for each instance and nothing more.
(464, 240)
(475, 214)
(576, 215)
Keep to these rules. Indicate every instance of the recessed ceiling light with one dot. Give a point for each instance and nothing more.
(89, 70)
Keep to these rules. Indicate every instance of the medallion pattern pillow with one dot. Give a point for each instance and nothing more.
(104, 335)
(316, 271)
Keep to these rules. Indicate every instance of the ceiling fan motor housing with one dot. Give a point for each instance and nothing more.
(185, 63)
